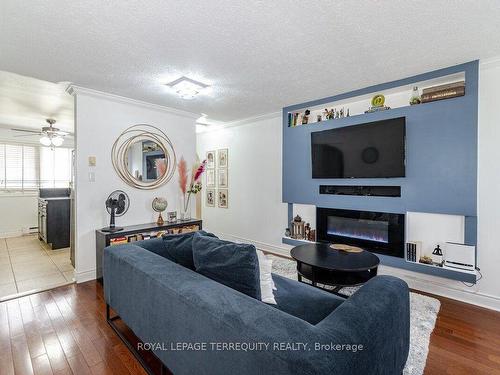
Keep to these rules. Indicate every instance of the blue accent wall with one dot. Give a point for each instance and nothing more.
(441, 155)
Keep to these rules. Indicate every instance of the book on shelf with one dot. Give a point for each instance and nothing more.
(448, 86)
(377, 109)
(118, 241)
(443, 94)
(413, 251)
(294, 119)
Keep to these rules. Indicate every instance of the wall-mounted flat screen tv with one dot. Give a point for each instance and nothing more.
(370, 150)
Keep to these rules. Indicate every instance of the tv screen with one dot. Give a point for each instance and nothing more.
(371, 150)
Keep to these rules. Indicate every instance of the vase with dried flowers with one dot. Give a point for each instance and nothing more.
(191, 188)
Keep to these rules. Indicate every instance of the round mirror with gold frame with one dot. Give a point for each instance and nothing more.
(144, 157)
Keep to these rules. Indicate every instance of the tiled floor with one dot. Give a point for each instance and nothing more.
(27, 264)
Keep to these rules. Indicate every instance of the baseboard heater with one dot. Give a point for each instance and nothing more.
(363, 190)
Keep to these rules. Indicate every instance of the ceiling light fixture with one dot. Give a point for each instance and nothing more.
(52, 136)
(187, 88)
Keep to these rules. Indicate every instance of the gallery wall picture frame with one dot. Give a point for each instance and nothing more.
(210, 198)
(210, 178)
(211, 157)
(222, 158)
(223, 198)
(223, 178)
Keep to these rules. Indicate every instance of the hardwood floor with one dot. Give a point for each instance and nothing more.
(64, 331)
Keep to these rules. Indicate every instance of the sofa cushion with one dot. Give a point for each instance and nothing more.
(232, 264)
(266, 280)
(304, 301)
(179, 247)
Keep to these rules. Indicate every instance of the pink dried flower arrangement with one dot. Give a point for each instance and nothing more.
(195, 183)
(183, 178)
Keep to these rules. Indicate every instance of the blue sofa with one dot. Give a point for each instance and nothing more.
(199, 326)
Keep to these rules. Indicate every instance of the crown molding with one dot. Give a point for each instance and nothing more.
(250, 120)
(79, 90)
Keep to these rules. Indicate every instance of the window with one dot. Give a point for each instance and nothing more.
(28, 167)
(55, 167)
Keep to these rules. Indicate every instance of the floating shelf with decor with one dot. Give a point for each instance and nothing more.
(429, 91)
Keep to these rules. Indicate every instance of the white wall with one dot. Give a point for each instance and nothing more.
(19, 212)
(99, 120)
(255, 210)
(489, 178)
(257, 215)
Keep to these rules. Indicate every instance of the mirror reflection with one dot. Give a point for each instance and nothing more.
(146, 161)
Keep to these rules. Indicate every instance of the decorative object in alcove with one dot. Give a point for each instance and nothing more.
(210, 197)
(144, 157)
(377, 104)
(222, 161)
(297, 227)
(378, 100)
(305, 117)
(193, 188)
(159, 205)
(223, 198)
(415, 97)
(437, 255)
(117, 205)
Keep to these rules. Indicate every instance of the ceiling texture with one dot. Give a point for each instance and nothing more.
(258, 56)
(26, 103)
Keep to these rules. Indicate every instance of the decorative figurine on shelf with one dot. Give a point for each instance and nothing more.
(378, 101)
(337, 113)
(341, 114)
(319, 118)
(312, 235)
(437, 256)
(305, 117)
(348, 114)
(159, 205)
(329, 114)
(307, 231)
(288, 233)
(415, 97)
(377, 104)
(297, 226)
(425, 259)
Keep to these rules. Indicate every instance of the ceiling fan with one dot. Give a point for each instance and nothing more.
(50, 135)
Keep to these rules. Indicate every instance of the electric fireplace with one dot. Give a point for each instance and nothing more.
(379, 232)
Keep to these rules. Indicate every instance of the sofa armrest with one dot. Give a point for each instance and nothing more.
(377, 316)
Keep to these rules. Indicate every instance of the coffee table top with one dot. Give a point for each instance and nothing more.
(321, 255)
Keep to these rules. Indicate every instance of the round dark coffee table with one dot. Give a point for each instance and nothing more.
(321, 264)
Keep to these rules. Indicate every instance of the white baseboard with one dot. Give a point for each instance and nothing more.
(425, 283)
(81, 277)
(17, 233)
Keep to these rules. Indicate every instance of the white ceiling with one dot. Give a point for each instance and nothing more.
(26, 102)
(258, 55)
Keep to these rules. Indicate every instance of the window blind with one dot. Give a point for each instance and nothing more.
(28, 167)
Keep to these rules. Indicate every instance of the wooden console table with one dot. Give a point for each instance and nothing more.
(136, 233)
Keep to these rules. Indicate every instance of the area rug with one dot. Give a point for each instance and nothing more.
(423, 314)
